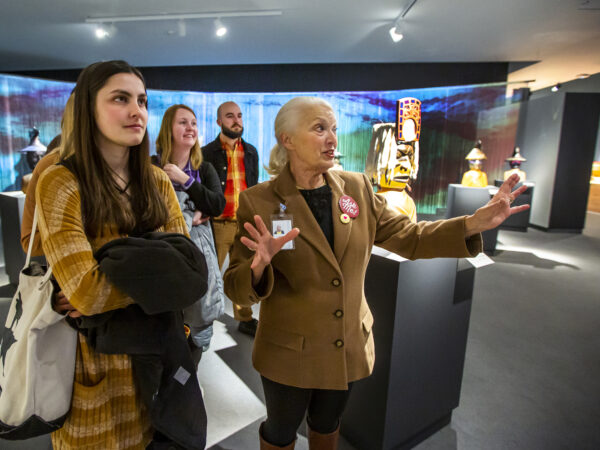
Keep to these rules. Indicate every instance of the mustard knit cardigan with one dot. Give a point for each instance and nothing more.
(106, 408)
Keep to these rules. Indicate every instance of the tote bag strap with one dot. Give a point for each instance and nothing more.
(32, 237)
(30, 248)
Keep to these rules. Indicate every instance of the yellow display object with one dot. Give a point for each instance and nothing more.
(408, 120)
(402, 202)
(594, 195)
(595, 172)
(393, 158)
(515, 165)
(475, 177)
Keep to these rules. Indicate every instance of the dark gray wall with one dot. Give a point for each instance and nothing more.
(537, 135)
(558, 135)
(576, 150)
(308, 77)
(591, 84)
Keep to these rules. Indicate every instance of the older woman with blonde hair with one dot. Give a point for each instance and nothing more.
(314, 337)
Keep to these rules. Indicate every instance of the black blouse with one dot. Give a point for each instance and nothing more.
(319, 202)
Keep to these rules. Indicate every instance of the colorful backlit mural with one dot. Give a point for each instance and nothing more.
(452, 117)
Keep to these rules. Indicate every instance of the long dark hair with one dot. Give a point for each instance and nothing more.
(101, 202)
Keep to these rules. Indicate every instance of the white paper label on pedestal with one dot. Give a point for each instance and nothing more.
(386, 254)
(481, 260)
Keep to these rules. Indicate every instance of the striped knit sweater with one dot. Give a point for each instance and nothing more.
(106, 408)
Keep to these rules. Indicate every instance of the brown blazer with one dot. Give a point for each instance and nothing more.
(315, 324)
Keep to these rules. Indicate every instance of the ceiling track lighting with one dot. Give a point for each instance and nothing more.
(103, 31)
(220, 29)
(395, 33)
(396, 29)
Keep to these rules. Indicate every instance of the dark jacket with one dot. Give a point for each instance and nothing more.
(163, 273)
(214, 153)
(206, 195)
(160, 271)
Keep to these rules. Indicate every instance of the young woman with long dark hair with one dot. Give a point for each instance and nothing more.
(106, 189)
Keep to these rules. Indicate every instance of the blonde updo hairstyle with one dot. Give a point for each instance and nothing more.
(287, 121)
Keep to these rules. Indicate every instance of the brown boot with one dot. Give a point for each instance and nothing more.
(264, 445)
(318, 441)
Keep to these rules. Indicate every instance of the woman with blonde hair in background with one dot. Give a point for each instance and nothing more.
(198, 190)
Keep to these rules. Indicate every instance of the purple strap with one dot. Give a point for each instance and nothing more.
(188, 183)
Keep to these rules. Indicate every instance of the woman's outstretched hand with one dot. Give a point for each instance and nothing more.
(498, 209)
(264, 245)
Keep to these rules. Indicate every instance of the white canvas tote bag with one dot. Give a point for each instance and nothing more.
(37, 357)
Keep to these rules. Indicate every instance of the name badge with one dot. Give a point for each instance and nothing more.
(281, 224)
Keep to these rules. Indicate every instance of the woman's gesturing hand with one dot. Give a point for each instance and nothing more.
(498, 209)
(264, 245)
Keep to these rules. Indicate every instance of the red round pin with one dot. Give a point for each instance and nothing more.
(349, 206)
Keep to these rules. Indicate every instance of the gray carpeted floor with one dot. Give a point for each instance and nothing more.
(532, 370)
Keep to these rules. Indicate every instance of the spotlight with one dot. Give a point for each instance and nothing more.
(220, 29)
(395, 33)
(583, 76)
(101, 32)
(555, 88)
(396, 30)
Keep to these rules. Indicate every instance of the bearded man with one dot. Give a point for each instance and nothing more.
(236, 162)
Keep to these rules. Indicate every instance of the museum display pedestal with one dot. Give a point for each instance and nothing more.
(11, 212)
(518, 222)
(464, 200)
(421, 311)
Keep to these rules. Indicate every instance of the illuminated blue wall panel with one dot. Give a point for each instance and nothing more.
(450, 118)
